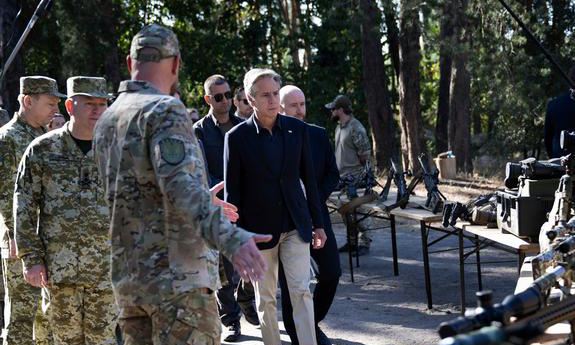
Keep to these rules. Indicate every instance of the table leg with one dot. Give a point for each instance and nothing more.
(356, 230)
(424, 233)
(394, 245)
(478, 262)
(348, 228)
(521, 258)
(461, 270)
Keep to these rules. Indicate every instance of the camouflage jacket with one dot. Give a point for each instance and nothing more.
(162, 215)
(61, 216)
(14, 138)
(4, 117)
(351, 141)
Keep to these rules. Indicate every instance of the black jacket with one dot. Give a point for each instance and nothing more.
(258, 194)
(560, 116)
(213, 141)
(326, 173)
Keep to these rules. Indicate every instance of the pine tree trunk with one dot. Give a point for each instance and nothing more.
(445, 62)
(375, 85)
(409, 84)
(460, 103)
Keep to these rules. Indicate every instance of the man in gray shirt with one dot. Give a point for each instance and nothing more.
(352, 152)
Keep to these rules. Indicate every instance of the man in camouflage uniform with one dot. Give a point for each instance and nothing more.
(58, 191)
(163, 217)
(38, 103)
(352, 152)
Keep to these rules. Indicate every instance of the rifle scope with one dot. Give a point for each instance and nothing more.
(518, 305)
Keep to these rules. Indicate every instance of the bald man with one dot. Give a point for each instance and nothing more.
(292, 102)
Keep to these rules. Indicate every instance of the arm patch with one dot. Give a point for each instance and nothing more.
(173, 151)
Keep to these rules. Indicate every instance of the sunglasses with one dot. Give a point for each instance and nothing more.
(245, 100)
(218, 97)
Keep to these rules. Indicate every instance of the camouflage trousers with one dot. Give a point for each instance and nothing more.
(81, 315)
(360, 232)
(188, 318)
(25, 324)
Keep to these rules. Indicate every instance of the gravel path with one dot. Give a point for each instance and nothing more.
(382, 309)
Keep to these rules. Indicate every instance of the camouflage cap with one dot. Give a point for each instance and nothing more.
(163, 41)
(87, 86)
(34, 85)
(340, 101)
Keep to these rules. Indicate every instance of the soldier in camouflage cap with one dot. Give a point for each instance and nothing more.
(58, 190)
(38, 99)
(352, 152)
(163, 216)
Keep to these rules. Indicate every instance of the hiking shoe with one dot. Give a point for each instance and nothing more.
(252, 317)
(233, 332)
(345, 248)
(363, 250)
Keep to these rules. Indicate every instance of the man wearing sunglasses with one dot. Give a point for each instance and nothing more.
(243, 107)
(211, 130)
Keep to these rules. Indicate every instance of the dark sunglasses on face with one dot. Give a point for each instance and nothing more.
(218, 97)
(245, 100)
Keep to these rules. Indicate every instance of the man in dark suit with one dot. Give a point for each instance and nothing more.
(560, 116)
(268, 167)
(210, 130)
(292, 102)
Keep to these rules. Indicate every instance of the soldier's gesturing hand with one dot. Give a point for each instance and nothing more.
(230, 211)
(248, 261)
(36, 276)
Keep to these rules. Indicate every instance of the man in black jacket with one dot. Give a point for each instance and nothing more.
(292, 101)
(210, 130)
(560, 116)
(268, 168)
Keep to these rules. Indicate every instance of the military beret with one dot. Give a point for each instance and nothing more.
(33, 85)
(87, 86)
(162, 40)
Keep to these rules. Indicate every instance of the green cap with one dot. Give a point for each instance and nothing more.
(162, 40)
(340, 101)
(87, 86)
(34, 85)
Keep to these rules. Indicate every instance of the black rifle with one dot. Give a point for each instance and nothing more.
(522, 331)
(398, 176)
(435, 199)
(518, 305)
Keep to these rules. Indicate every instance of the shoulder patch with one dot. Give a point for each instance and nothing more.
(173, 151)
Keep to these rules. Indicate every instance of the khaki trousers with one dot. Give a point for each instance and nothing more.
(295, 257)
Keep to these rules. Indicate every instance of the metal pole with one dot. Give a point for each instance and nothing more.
(42, 6)
(534, 39)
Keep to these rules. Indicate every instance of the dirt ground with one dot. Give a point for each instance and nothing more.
(383, 309)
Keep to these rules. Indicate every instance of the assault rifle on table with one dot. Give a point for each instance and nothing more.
(397, 174)
(350, 183)
(480, 210)
(435, 199)
(522, 306)
(520, 332)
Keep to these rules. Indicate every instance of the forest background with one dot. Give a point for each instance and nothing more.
(423, 76)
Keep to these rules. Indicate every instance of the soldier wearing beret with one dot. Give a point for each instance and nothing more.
(58, 191)
(38, 99)
(165, 223)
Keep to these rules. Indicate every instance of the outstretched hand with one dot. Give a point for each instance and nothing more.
(230, 211)
(248, 260)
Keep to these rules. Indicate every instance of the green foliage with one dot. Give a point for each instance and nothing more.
(511, 80)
